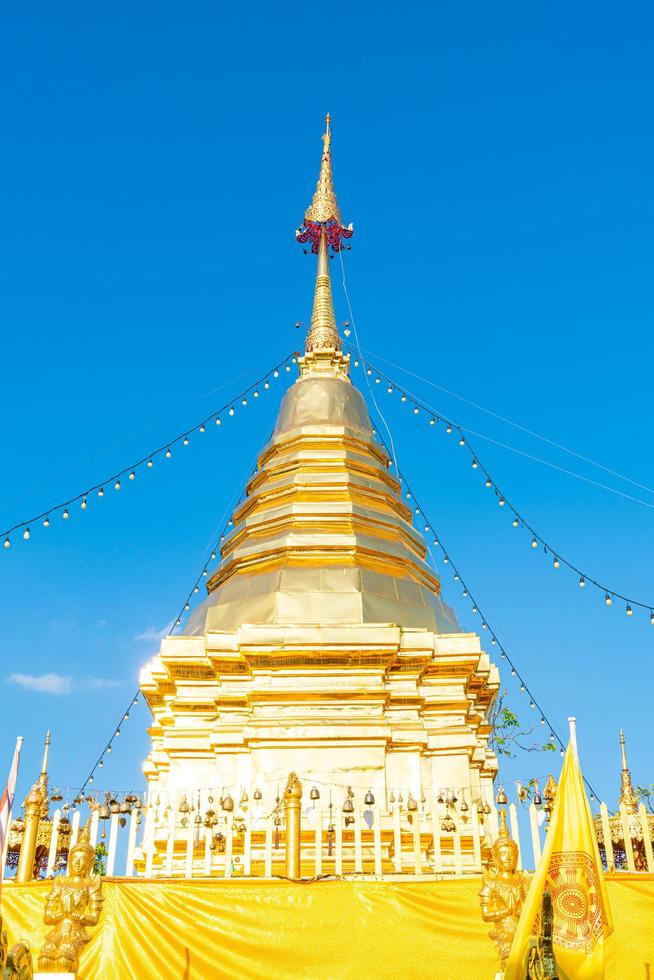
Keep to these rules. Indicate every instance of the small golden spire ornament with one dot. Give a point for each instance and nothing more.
(628, 795)
(323, 228)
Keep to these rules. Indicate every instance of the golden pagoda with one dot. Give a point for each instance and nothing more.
(323, 646)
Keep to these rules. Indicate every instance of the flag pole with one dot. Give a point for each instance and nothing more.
(572, 722)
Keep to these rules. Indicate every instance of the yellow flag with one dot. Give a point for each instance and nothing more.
(571, 871)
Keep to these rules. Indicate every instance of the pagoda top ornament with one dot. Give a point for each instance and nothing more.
(323, 228)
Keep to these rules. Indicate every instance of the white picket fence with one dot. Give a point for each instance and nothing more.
(249, 841)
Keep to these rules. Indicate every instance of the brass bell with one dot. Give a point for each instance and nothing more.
(369, 798)
(183, 806)
(138, 804)
(487, 809)
(131, 798)
(258, 794)
(104, 813)
(538, 799)
(114, 806)
(56, 795)
(124, 806)
(501, 798)
(315, 793)
(463, 807)
(411, 804)
(227, 804)
(440, 797)
(348, 806)
(244, 798)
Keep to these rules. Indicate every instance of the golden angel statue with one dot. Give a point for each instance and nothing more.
(503, 892)
(74, 903)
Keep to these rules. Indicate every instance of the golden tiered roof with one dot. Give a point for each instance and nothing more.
(323, 535)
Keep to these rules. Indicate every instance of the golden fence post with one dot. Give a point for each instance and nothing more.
(33, 805)
(293, 802)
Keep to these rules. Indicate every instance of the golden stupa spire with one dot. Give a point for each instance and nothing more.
(627, 794)
(323, 227)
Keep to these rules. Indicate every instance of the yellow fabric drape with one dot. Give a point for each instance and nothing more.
(208, 928)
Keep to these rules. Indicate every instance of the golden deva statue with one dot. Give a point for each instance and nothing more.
(503, 892)
(74, 903)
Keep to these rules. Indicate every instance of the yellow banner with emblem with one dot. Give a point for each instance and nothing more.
(571, 871)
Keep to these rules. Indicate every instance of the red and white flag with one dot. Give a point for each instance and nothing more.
(7, 801)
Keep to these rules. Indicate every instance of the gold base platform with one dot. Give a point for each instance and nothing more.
(207, 928)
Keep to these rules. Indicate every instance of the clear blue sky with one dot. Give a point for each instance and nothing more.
(497, 162)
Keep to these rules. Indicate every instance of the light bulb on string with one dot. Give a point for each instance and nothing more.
(403, 398)
(100, 764)
(532, 704)
(608, 600)
(515, 522)
(196, 588)
(7, 543)
(132, 475)
(390, 390)
(83, 504)
(501, 501)
(244, 401)
(266, 385)
(416, 410)
(629, 610)
(557, 563)
(475, 464)
(108, 748)
(534, 543)
(213, 555)
(46, 522)
(489, 482)
(465, 593)
(582, 582)
(202, 428)
(513, 672)
(231, 411)
(432, 421)
(448, 429)
(186, 440)
(218, 422)
(26, 534)
(651, 617)
(65, 514)
(356, 364)
(462, 441)
(101, 492)
(288, 367)
(542, 721)
(150, 464)
(117, 732)
(368, 372)
(117, 485)
(276, 373)
(456, 577)
(377, 381)
(168, 454)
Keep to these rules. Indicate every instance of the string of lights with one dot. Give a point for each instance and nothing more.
(436, 418)
(434, 541)
(228, 524)
(147, 462)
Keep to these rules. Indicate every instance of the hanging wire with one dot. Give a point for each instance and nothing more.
(517, 425)
(537, 540)
(227, 524)
(147, 461)
(437, 542)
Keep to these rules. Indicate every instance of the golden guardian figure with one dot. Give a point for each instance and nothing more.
(503, 891)
(74, 903)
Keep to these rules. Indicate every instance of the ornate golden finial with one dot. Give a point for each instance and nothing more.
(323, 228)
(627, 795)
(503, 832)
(324, 206)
